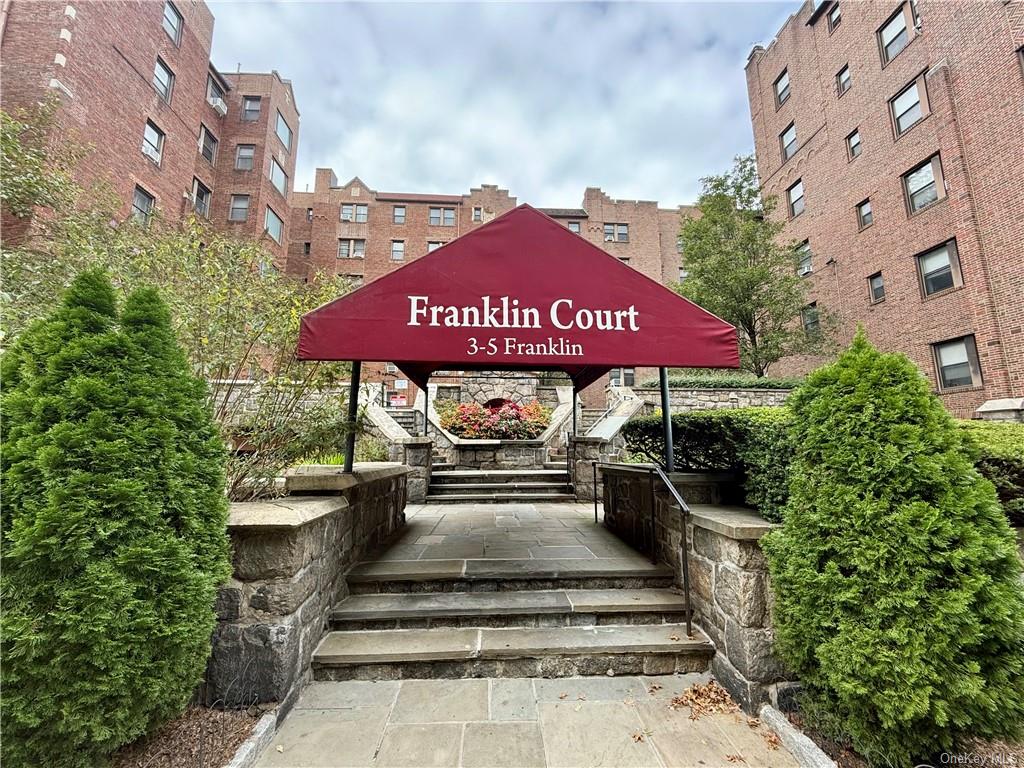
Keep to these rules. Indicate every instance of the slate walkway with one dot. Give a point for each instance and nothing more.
(517, 723)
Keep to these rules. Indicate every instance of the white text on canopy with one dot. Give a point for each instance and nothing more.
(506, 313)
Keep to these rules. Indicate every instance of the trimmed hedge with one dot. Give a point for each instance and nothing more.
(730, 381)
(999, 455)
(752, 442)
(114, 528)
(895, 574)
(756, 445)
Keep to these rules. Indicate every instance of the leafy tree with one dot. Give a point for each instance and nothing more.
(114, 528)
(738, 270)
(235, 315)
(896, 577)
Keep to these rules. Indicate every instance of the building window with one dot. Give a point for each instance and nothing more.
(201, 198)
(306, 248)
(788, 141)
(876, 287)
(939, 269)
(351, 249)
(574, 226)
(853, 145)
(433, 245)
(442, 217)
(893, 36)
(284, 131)
(163, 80)
(478, 213)
(616, 233)
(273, 224)
(795, 197)
(907, 107)
(398, 214)
(398, 250)
(278, 177)
(782, 88)
(214, 92)
(251, 108)
(153, 142)
(683, 273)
(622, 377)
(843, 80)
(956, 363)
(811, 319)
(172, 22)
(207, 144)
(309, 214)
(923, 186)
(835, 17)
(245, 155)
(239, 210)
(804, 259)
(356, 213)
(142, 205)
(864, 215)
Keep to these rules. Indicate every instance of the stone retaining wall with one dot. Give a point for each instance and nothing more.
(729, 584)
(688, 399)
(499, 454)
(290, 556)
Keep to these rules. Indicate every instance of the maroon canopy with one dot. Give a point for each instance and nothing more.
(521, 292)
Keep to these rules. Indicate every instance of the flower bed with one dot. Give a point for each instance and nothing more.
(505, 421)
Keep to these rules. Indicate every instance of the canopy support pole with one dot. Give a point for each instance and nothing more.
(353, 413)
(426, 406)
(574, 411)
(666, 420)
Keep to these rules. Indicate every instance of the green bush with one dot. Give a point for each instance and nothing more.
(114, 528)
(722, 381)
(999, 456)
(752, 442)
(897, 600)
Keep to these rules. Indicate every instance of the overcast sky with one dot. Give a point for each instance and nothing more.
(542, 99)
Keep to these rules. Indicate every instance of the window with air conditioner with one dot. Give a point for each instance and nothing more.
(153, 142)
(804, 259)
(351, 248)
(616, 233)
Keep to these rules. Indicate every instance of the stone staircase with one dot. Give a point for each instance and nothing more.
(588, 418)
(408, 419)
(499, 485)
(509, 618)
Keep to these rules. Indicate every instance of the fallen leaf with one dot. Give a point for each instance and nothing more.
(771, 738)
(735, 758)
(654, 689)
(280, 748)
(581, 697)
(753, 722)
(563, 695)
(705, 699)
(674, 638)
(638, 737)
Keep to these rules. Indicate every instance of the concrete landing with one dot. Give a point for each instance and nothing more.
(518, 723)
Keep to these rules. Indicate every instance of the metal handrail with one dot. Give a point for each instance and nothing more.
(652, 471)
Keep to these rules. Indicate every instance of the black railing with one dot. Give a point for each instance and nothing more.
(654, 472)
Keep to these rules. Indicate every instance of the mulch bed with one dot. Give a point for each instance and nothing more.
(200, 738)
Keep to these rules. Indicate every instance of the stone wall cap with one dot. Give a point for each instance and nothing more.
(745, 390)
(415, 440)
(589, 440)
(284, 513)
(733, 522)
(1002, 404)
(331, 477)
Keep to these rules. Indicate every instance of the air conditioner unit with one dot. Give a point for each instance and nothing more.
(218, 104)
(151, 153)
(391, 368)
(805, 270)
(609, 239)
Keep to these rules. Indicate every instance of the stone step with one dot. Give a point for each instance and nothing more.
(556, 464)
(500, 476)
(492, 575)
(441, 488)
(399, 654)
(494, 497)
(530, 608)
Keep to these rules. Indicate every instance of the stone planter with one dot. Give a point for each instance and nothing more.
(499, 454)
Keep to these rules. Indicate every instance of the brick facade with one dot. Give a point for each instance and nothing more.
(968, 61)
(99, 57)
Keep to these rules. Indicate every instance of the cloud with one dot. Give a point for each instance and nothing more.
(543, 99)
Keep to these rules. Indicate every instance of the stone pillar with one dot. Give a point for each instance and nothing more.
(419, 455)
(582, 452)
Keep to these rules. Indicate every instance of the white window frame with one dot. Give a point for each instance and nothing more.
(791, 202)
(233, 208)
(351, 248)
(250, 158)
(790, 147)
(281, 183)
(970, 354)
(398, 247)
(153, 151)
(205, 133)
(244, 115)
(782, 94)
(165, 93)
(175, 20)
(203, 210)
(277, 130)
(271, 216)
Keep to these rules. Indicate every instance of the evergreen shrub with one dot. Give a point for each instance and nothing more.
(114, 528)
(896, 577)
(999, 451)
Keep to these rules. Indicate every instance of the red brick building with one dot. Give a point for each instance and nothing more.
(892, 134)
(360, 233)
(165, 128)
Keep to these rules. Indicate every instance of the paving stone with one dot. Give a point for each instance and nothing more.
(513, 699)
(750, 742)
(454, 551)
(400, 645)
(411, 552)
(593, 734)
(503, 745)
(348, 694)
(326, 738)
(431, 539)
(420, 746)
(425, 701)
(682, 742)
(591, 689)
(670, 686)
(559, 552)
